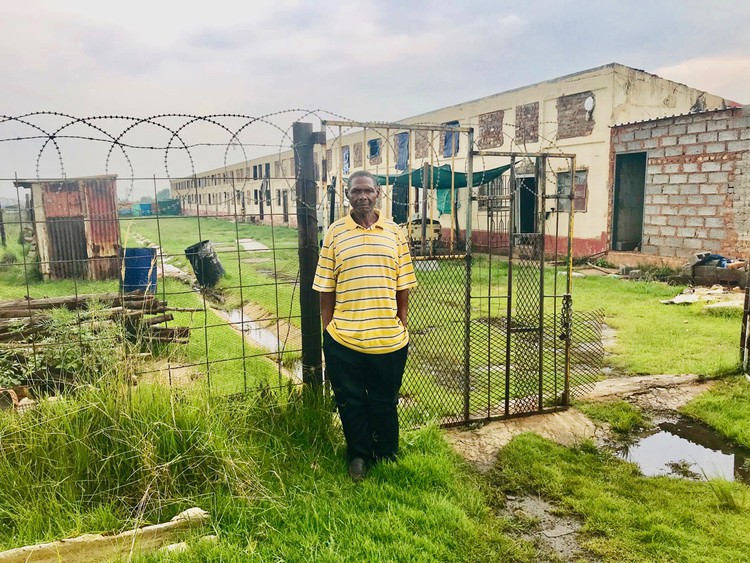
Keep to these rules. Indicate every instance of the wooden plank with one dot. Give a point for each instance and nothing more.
(96, 547)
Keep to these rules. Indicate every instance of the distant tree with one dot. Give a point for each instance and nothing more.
(147, 199)
(161, 195)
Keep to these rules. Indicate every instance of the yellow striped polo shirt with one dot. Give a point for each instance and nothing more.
(365, 267)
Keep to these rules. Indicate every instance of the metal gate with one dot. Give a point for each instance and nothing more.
(492, 332)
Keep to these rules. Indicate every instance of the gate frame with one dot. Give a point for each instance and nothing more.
(467, 253)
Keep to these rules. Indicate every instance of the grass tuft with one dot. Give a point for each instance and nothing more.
(620, 415)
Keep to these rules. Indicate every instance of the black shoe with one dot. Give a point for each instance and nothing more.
(357, 469)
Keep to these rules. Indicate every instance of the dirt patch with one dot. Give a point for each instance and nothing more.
(552, 533)
(481, 445)
(651, 392)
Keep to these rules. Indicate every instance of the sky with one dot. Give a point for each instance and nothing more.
(361, 59)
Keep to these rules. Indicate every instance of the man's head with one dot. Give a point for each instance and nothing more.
(362, 191)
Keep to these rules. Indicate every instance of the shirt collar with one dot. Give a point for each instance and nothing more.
(352, 224)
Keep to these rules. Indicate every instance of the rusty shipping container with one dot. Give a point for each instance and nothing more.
(76, 226)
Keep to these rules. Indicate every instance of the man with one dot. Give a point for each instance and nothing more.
(364, 275)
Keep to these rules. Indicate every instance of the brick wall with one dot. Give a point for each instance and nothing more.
(571, 116)
(527, 123)
(697, 194)
(421, 144)
(491, 130)
(357, 156)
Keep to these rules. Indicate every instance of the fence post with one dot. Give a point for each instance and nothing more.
(307, 236)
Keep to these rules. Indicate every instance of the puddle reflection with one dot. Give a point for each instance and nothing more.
(684, 447)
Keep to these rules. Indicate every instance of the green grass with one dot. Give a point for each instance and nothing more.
(620, 415)
(725, 407)
(215, 348)
(653, 338)
(268, 468)
(625, 516)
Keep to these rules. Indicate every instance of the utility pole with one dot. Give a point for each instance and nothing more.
(304, 140)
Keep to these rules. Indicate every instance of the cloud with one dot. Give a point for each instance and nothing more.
(727, 75)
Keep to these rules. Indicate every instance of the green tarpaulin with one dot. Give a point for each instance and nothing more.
(443, 180)
(442, 177)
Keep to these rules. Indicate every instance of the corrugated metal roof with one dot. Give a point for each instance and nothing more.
(714, 110)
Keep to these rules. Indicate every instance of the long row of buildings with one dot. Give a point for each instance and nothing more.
(661, 168)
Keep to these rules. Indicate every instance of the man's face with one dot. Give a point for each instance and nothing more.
(363, 194)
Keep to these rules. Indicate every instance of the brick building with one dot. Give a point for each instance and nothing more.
(681, 185)
(568, 114)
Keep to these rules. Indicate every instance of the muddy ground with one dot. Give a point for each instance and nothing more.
(555, 534)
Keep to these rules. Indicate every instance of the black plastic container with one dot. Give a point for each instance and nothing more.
(205, 263)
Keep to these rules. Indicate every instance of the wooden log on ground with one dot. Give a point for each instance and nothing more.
(97, 547)
(77, 301)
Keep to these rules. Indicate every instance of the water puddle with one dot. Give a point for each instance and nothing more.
(261, 337)
(683, 447)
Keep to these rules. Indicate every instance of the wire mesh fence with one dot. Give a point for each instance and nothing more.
(190, 277)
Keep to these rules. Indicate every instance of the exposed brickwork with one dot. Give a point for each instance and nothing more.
(277, 169)
(571, 116)
(527, 123)
(421, 144)
(357, 155)
(491, 129)
(697, 194)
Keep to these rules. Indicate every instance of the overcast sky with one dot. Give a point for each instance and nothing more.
(365, 60)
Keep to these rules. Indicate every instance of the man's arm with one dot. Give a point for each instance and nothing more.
(327, 303)
(402, 305)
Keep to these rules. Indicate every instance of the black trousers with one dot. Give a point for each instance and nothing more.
(366, 388)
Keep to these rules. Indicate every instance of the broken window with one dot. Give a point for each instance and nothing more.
(402, 150)
(373, 148)
(579, 196)
(450, 140)
(345, 159)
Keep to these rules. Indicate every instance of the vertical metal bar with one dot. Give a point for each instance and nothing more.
(743, 332)
(453, 192)
(569, 284)
(341, 174)
(3, 240)
(509, 305)
(426, 173)
(541, 192)
(467, 305)
(307, 221)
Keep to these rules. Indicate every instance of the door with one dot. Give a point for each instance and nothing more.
(527, 201)
(285, 205)
(627, 213)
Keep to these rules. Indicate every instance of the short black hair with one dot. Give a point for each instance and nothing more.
(362, 174)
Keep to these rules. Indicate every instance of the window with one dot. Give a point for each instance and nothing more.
(268, 170)
(255, 197)
(579, 196)
(490, 195)
(450, 140)
(345, 159)
(402, 151)
(373, 148)
(255, 172)
(268, 198)
(278, 197)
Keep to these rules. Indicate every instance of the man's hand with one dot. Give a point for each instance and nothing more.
(327, 304)
(402, 305)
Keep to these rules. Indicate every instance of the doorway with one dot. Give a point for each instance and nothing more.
(527, 201)
(627, 212)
